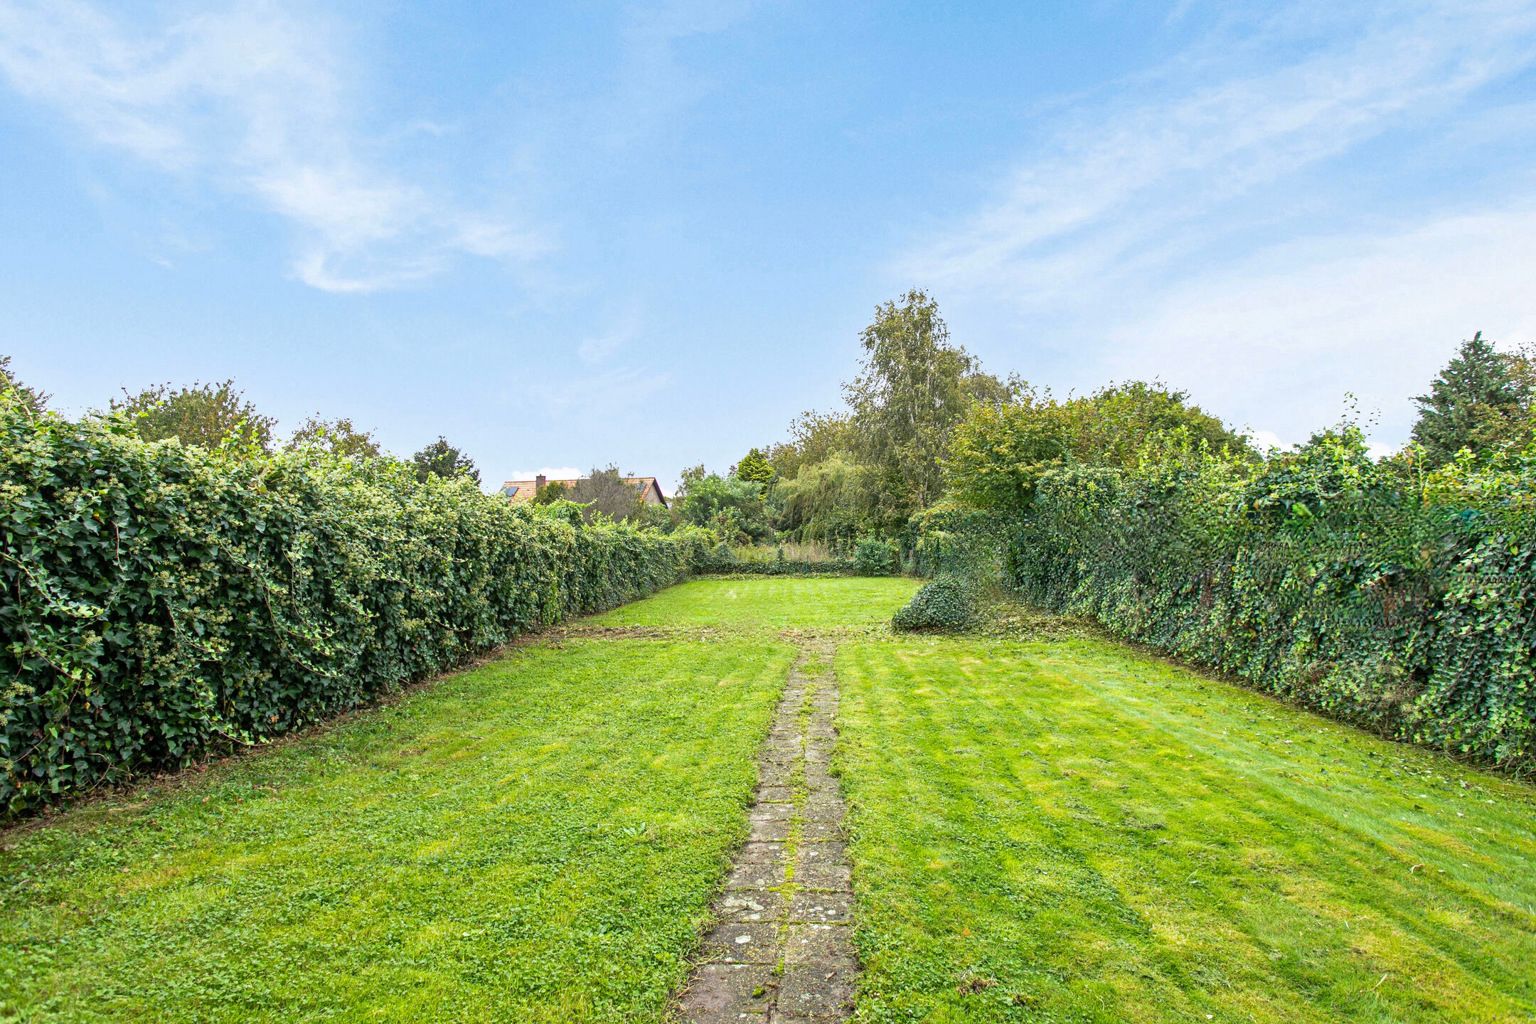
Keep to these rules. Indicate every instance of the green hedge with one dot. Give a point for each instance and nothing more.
(1405, 606)
(162, 602)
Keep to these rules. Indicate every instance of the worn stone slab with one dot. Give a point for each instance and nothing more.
(769, 829)
(721, 993)
(822, 807)
(811, 906)
(820, 831)
(750, 905)
(748, 942)
(754, 876)
(768, 812)
(761, 852)
(826, 945)
(815, 991)
(824, 874)
(774, 774)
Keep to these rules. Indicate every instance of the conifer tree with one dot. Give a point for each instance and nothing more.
(1470, 404)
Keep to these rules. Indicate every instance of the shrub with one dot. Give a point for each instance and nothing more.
(875, 557)
(947, 602)
(166, 601)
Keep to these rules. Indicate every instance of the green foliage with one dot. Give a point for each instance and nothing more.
(814, 437)
(30, 399)
(830, 502)
(734, 508)
(719, 558)
(1481, 398)
(555, 490)
(914, 388)
(1000, 451)
(167, 600)
(338, 436)
(768, 605)
(445, 462)
(953, 538)
(206, 415)
(946, 602)
(1318, 575)
(606, 493)
(755, 467)
(875, 557)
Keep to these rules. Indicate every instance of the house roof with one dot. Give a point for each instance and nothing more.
(523, 490)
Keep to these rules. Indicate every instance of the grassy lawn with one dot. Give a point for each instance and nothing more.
(1071, 832)
(1062, 831)
(771, 602)
(534, 840)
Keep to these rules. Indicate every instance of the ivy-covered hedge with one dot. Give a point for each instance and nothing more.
(161, 602)
(1404, 604)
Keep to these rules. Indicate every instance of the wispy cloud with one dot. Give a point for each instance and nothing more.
(1290, 330)
(609, 390)
(653, 82)
(1144, 229)
(253, 98)
(1117, 180)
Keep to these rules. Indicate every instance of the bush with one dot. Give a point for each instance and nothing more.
(875, 557)
(947, 602)
(165, 601)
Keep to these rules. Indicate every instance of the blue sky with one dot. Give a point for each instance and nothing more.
(573, 234)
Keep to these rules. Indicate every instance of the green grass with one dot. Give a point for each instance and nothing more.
(1050, 831)
(772, 603)
(1073, 832)
(534, 840)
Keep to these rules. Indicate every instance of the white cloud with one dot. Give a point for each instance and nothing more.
(254, 99)
(1293, 329)
(1117, 184)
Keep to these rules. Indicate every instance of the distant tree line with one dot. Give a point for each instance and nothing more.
(217, 415)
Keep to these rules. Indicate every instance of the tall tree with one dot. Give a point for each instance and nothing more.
(31, 399)
(606, 491)
(914, 388)
(338, 436)
(203, 414)
(813, 437)
(1473, 403)
(754, 467)
(442, 459)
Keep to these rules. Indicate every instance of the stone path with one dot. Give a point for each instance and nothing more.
(780, 952)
